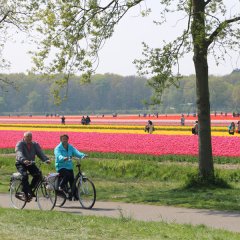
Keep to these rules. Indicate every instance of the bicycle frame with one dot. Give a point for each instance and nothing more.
(78, 176)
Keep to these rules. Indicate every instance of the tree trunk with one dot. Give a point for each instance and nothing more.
(206, 169)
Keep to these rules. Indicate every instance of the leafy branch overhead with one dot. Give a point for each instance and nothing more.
(14, 18)
(73, 32)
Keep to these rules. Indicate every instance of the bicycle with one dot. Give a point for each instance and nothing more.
(44, 192)
(83, 190)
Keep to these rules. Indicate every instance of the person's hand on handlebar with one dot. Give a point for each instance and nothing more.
(48, 161)
(27, 162)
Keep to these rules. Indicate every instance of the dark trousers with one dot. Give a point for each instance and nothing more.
(34, 172)
(66, 176)
(231, 132)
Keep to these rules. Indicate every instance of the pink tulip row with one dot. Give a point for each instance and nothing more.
(127, 143)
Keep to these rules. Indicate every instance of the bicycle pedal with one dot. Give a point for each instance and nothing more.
(20, 196)
(29, 199)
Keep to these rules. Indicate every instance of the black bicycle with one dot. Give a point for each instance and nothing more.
(83, 190)
(44, 191)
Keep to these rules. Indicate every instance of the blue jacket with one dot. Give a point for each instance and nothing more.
(60, 153)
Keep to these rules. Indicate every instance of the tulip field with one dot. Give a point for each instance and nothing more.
(120, 135)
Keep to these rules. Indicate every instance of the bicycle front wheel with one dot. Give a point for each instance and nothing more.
(86, 193)
(46, 196)
(17, 196)
(61, 199)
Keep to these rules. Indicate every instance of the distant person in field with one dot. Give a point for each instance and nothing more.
(182, 120)
(149, 127)
(238, 127)
(195, 128)
(231, 128)
(88, 120)
(83, 120)
(63, 120)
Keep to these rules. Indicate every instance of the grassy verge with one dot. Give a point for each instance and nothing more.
(160, 158)
(148, 180)
(23, 225)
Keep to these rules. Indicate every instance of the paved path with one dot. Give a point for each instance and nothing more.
(211, 218)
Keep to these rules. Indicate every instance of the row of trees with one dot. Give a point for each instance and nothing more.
(110, 93)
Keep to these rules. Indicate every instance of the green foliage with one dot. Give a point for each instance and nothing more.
(159, 63)
(15, 17)
(110, 93)
(107, 93)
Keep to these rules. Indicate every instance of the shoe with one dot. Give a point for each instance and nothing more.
(70, 197)
(76, 198)
(32, 194)
(29, 198)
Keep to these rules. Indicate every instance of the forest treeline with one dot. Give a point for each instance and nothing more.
(108, 93)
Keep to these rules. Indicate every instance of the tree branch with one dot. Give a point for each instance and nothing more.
(4, 17)
(219, 29)
(207, 2)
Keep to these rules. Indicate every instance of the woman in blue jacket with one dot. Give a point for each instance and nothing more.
(63, 161)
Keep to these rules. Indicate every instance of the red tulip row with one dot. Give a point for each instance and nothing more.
(127, 143)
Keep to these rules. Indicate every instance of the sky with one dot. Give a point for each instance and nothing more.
(119, 52)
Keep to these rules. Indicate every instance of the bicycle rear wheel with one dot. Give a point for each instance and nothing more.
(86, 193)
(46, 196)
(17, 196)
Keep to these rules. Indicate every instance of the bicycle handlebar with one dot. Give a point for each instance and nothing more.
(76, 158)
(40, 162)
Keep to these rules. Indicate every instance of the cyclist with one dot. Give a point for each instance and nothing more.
(26, 151)
(63, 161)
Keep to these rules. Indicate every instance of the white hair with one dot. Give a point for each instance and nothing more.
(27, 134)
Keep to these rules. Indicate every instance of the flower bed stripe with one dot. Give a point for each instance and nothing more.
(127, 143)
(163, 130)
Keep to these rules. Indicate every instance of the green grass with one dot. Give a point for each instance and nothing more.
(30, 224)
(161, 158)
(169, 194)
(148, 180)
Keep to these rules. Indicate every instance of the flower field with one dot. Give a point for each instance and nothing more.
(121, 138)
(170, 119)
(127, 143)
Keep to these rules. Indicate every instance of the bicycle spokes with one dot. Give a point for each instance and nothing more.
(17, 196)
(46, 196)
(86, 193)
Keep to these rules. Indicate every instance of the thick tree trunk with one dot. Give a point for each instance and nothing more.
(206, 169)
